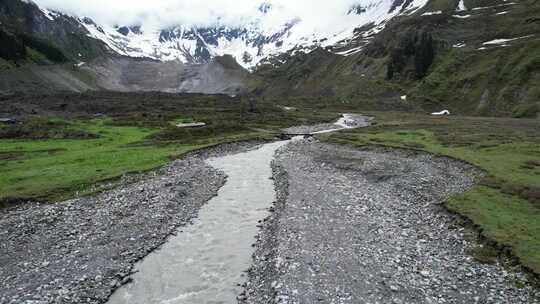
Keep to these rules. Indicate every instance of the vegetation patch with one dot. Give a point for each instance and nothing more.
(505, 205)
(529, 110)
(512, 221)
(182, 120)
(80, 140)
(55, 168)
(8, 155)
(35, 127)
(19, 47)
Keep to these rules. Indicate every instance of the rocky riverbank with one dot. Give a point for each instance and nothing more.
(79, 251)
(366, 226)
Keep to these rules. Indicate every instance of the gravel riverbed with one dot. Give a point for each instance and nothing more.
(80, 250)
(366, 226)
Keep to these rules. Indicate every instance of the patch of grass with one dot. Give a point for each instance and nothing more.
(529, 110)
(531, 164)
(506, 204)
(209, 132)
(5, 65)
(36, 57)
(67, 150)
(485, 254)
(55, 168)
(511, 221)
(35, 127)
(9, 155)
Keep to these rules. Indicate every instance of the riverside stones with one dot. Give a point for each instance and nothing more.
(339, 235)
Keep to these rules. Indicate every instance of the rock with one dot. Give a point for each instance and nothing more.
(425, 273)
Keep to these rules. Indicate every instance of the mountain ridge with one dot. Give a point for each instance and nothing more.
(475, 57)
(249, 43)
(51, 52)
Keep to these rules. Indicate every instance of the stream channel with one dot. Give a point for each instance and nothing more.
(205, 262)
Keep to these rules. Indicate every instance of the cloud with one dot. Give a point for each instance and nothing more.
(165, 13)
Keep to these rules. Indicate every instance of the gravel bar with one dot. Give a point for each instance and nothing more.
(81, 250)
(346, 121)
(367, 226)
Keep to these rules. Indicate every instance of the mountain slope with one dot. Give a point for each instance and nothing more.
(469, 56)
(39, 49)
(219, 75)
(46, 52)
(83, 55)
(57, 36)
(473, 57)
(254, 40)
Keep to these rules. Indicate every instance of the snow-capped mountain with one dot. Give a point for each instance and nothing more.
(254, 40)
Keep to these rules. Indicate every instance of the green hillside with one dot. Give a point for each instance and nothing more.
(452, 60)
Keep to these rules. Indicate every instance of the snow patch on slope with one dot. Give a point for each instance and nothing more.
(504, 41)
(257, 39)
(461, 6)
(432, 13)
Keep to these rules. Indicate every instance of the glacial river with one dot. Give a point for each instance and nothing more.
(206, 261)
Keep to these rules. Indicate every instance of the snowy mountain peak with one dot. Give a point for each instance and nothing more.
(257, 38)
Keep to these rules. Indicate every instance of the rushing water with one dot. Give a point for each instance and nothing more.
(205, 262)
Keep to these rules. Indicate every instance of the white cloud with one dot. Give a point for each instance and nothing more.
(314, 13)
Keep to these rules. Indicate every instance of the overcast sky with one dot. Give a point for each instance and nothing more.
(200, 12)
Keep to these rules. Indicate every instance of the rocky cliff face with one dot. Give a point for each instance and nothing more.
(125, 74)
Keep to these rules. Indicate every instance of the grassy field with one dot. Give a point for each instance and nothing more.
(51, 168)
(70, 147)
(54, 167)
(506, 203)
